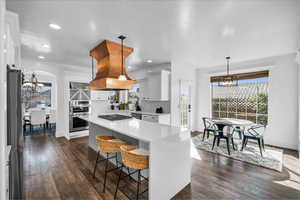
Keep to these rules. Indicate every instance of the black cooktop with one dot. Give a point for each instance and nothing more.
(114, 117)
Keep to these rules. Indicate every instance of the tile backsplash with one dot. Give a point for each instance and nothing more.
(150, 106)
(99, 107)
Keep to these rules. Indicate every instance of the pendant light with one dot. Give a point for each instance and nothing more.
(228, 80)
(122, 76)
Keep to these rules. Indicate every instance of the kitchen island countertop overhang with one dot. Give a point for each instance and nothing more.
(169, 148)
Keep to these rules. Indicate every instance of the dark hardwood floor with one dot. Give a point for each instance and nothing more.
(56, 168)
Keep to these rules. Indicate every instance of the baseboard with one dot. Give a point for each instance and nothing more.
(78, 134)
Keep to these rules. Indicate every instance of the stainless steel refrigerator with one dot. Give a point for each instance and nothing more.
(15, 132)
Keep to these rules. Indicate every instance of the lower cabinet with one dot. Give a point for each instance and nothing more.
(150, 118)
(162, 119)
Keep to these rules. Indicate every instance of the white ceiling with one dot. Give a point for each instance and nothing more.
(199, 32)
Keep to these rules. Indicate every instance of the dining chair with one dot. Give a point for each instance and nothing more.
(26, 122)
(239, 131)
(38, 117)
(209, 126)
(255, 132)
(52, 117)
(221, 134)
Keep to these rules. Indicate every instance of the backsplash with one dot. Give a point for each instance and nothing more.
(150, 106)
(98, 107)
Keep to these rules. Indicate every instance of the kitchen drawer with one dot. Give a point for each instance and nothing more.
(136, 115)
(150, 118)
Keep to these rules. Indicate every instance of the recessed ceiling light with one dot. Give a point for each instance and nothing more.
(55, 26)
(149, 61)
(4, 36)
(149, 71)
(4, 50)
(129, 67)
(41, 57)
(46, 46)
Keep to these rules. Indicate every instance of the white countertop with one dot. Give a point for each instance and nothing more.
(148, 113)
(139, 129)
(138, 112)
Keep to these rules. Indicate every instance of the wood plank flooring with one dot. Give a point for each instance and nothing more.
(56, 168)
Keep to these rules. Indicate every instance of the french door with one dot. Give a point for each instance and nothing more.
(185, 103)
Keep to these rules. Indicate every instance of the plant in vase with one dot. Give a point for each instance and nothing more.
(131, 105)
(122, 106)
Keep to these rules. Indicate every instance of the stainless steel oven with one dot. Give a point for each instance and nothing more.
(78, 108)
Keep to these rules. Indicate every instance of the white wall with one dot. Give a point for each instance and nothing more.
(283, 103)
(203, 100)
(2, 103)
(282, 128)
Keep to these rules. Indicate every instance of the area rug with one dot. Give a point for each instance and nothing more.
(272, 157)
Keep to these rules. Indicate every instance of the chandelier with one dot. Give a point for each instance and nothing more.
(30, 88)
(30, 82)
(228, 80)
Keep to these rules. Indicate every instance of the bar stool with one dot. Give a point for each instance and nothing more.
(135, 159)
(108, 145)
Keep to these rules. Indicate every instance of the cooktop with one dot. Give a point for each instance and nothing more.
(114, 117)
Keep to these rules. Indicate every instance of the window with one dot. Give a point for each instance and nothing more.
(248, 100)
(41, 97)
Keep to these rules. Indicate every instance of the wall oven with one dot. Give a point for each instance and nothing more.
(78, 108)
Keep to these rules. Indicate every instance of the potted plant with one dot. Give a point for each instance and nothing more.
(131, 106)
(122, 106)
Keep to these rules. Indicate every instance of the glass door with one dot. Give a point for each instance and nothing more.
(185, 103)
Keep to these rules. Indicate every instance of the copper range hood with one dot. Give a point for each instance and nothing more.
(111, 73)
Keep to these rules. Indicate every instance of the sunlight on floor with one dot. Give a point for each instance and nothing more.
(294, 173)
(290, 183)
(194, 152)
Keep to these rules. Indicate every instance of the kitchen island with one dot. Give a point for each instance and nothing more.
(169, 148)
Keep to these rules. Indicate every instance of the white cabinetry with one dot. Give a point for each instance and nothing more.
(150, 118)
(156, 86)
(143, 88)
(161, 119)
(101, 95)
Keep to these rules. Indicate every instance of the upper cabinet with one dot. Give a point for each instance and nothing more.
(156, 86)
(101, 95)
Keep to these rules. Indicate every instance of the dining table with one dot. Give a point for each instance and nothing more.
(236, 124)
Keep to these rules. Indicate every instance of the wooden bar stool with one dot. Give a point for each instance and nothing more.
(108, 145)
(135, 159)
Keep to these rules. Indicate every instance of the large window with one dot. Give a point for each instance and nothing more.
(247, 100)
(41, 97)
